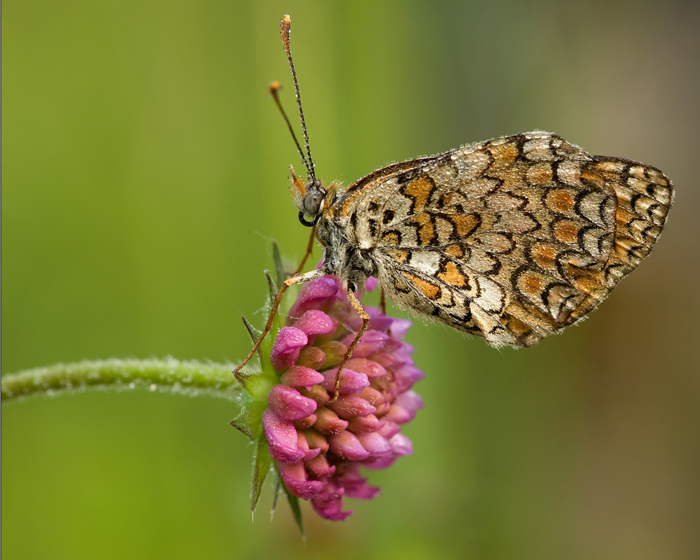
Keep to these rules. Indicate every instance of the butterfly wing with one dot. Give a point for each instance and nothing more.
(511, 239)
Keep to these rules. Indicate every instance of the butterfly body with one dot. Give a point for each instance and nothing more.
(511, 239)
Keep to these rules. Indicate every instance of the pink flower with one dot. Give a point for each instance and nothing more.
(319, 446)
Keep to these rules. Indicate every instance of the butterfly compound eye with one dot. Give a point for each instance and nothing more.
(311, 202)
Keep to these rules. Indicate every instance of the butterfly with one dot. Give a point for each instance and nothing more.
(512, 239)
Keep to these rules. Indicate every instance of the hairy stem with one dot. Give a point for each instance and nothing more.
(168, 375)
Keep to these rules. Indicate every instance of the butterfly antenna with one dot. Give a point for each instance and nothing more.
(284, 30)
(274, 92)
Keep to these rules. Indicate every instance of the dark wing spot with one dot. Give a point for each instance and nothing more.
(373, 227)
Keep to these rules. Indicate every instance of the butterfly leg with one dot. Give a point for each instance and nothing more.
(382, 300)
(357, 306)
(309, 249)
(312, 275)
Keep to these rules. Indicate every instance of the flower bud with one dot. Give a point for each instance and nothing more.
(315, 322)
(288, 404)
(375, 444)
(351, 382)
(281, 438)
(329, 423)
(300, 376)
(305, 423)
(346, 446)
(313, 295)
(286, 348)
(334, 351)
(349, 406)
(368, 367)
(367, 423)
(370, 343)
(296, 480)
(311, 357)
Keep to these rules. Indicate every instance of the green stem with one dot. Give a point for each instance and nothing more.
(169, 375)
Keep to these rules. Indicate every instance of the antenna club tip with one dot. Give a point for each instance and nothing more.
(284, 31)
(275, 86)
(284, 27)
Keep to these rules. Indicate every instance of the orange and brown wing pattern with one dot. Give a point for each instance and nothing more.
(511, 239)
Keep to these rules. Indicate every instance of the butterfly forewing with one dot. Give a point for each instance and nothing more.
(511, 239)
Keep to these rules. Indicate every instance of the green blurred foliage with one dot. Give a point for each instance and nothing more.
(144, 174)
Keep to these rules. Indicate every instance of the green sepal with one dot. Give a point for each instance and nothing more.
(252, 331)
(242, 425)
(257, 385)
(249, 420)
(271, 286)
(261, 466)
(280, 272)
(266, 346)
(278, 490)
(273, 291)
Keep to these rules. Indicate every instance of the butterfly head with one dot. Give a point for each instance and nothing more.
(308, 198)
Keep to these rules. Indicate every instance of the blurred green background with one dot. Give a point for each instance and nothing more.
(145, 173)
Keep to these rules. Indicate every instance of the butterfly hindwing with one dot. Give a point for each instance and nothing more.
(511, 239)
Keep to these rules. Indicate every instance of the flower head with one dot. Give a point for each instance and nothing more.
(319, 444)
(317, 440)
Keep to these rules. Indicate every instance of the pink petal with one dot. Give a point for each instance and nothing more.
(349, 406)
(363, 365)
(332, 511)
(347, 446)
(363, 424)
(315, 322)
(295, 479)
(355, 485)
(373, 397)
(288, 404)
(371, 283)
(410, 400)
(319, 467)
(377, 464)
(304, 446)
(403, 349)
(335, 352)
(375, 444)
(305, 423)
(400, 327)
(382, 409)
(286, 348)
(281, 437)
(378, 321)
(311, 357)
(328, 422)
(406, 375)
(401, 445)
(390, 429)
(399, 414)
(317, 393)
(370, 343)
(351, 382)
(364, 492)
(331, 493)
(316, 440)
(313, 295)
(300, 376)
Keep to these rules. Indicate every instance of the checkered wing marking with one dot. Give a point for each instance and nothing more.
(511, 239)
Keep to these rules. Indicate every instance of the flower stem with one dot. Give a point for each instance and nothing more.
(190, 378)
